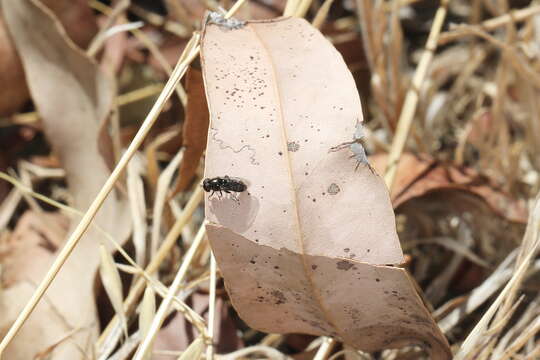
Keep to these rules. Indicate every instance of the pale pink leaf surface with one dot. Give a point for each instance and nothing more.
(305, 248)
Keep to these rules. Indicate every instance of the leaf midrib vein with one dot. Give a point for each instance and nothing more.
(300, 238)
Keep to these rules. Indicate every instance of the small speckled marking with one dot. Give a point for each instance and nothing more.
(333, 189)
(293, 146)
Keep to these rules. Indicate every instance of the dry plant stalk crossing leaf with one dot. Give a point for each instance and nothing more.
(311, 245)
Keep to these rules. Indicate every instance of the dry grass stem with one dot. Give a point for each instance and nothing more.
(145, 346)
(121, 100)
(81, 228)
(291, 7)
(108, 339)
(411, 99)
(137, 205)
(112, 284)
(148, 311)
(211, 308)
(325, 349)
(321, 15)
(142, 37)
(113, 15)
(467, 112)
(194, 351)
(269, 353)
(531, 242)
(8, 206)
(157, 20)
(460, 31)
(164, 181)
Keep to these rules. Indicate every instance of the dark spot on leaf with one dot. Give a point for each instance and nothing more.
(279, 297)
(344, 265)
(333, 189)
(293, 146)
(314, 267)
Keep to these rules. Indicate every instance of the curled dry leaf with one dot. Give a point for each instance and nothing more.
(311, 246)
(418, 176)
(15, 94)
(73, 97)
(195, 129)
(80, 25)
(76, 17)
(35, 235)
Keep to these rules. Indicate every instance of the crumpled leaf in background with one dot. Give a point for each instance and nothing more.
(418, 176)
(72, 97)
(35, 235)
(15, 92)
(179, 333)
(307, 246)
(77, 18)
(195, 129)
(80, 25)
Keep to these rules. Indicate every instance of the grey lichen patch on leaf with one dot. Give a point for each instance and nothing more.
(281, 248)
(220, 20)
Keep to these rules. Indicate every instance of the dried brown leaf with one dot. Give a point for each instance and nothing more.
(305, 249)
(76, 17)
(15, 92)
(418, 176)
(195, 129)
(80, 24)
(73, 97)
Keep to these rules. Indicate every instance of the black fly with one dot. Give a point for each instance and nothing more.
(225, 183)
